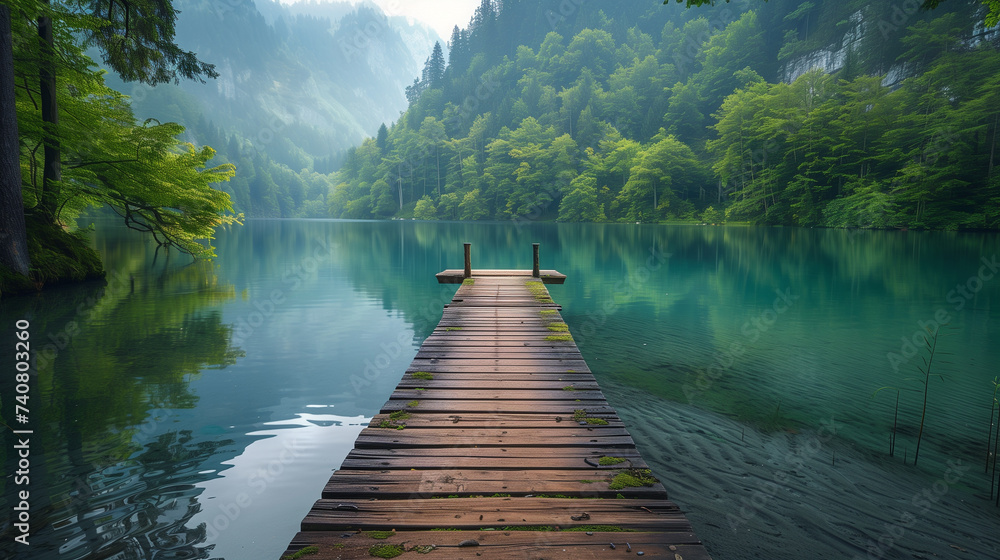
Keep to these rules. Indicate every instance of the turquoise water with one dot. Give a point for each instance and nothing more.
(195, 410)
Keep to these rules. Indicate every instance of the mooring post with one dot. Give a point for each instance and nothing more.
(468, 260)
(534, 267)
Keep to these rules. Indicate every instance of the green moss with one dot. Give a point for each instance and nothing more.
(528, 528)
(545, 312)
(499, 495)
(422, 549)
(420, 389)
(600, 529)
(580, 415)
(587, 481)
(559, 327)
(559, 338)
(619, 497)
(57, 257)
(379, 534)
(427, 376)
(469, 282)
(445, 529)
(569, 388)
(399, 415)
(453, 328)
(386, 550)
(632, 478)
(383, 424)
(611, 460)
(413, 404)
(309, 550)
(559, 496)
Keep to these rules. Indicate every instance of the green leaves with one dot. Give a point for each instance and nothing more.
(157, 183)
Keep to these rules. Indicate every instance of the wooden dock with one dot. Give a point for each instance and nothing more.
(497, 443)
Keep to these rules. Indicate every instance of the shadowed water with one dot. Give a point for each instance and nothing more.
(195, 410)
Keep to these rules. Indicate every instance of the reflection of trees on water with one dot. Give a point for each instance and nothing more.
(135, 509)
(108, 478)
(858, 292)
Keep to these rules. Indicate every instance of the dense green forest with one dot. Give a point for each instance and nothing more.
(858, 114)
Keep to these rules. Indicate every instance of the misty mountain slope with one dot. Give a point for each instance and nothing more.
(296, 85)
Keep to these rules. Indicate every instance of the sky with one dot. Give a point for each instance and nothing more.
(441, 15)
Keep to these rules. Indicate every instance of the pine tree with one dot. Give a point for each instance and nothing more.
(456, 50)
(435, 66)
(382, 138)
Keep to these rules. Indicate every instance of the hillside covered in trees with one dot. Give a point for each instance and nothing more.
(857, 114)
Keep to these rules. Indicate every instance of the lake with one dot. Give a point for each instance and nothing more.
(195, 410)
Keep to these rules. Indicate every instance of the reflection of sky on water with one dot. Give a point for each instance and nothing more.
(263, 493)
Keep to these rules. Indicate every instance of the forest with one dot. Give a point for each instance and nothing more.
(842, 114)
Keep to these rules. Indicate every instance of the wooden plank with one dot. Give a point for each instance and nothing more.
(482, 420)
(432, 392)
(510, 362)
(475, 513)
(401, 484)
(560, 379)
(563, 408)
(369, 438)
(518, 436)
(455, 354)
(432, 461)
(435, 368)
(585, 458)
(448, 381)
(507, 545)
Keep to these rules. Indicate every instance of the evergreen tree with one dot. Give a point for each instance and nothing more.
(435, 66)
(382, 138)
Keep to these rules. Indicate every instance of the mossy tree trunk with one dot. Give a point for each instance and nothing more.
(13, 236)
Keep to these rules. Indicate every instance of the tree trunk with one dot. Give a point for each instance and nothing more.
(51, 171)
(993, 146)
(13, 237)
(400, 183)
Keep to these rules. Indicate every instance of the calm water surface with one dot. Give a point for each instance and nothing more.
(195, 410)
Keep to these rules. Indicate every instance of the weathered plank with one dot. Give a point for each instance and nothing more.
(507, 545)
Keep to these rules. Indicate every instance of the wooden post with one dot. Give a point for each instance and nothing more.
(534, 267)
(468, 260)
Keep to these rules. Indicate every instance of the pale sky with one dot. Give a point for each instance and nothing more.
(442, 15)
